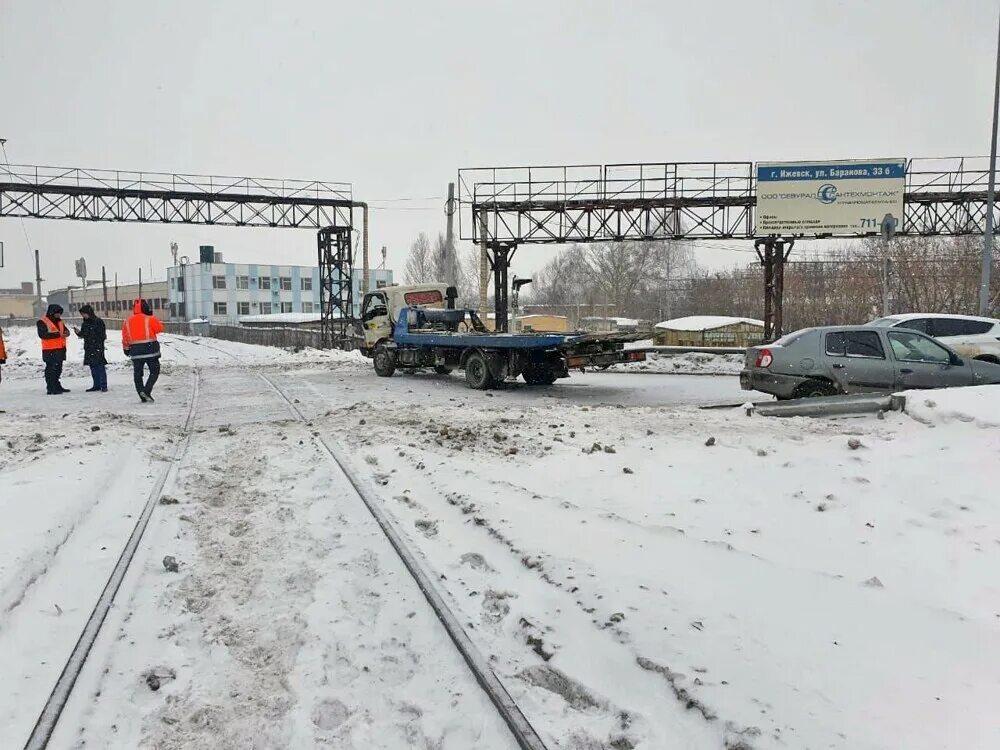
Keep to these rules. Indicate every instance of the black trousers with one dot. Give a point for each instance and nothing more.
(53, 371)
(154, 372)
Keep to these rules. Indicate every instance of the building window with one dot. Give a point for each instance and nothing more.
(242, 282)
(286, 307)
(307, 307)
(156, 304)
(180, 283)
(286, 283)
(218, 282)
(307, 284)
(219, 308)
(265, 308)
(173, 309)
(265, 282)
(242, 308)
(181, 311)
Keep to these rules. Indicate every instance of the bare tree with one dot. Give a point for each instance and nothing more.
(420, 262)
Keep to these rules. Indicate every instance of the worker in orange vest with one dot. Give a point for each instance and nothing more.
(140, 344)
(53, 333)
(3, 352)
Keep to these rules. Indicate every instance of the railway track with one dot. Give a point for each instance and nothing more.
(48, 718)
(521, 729)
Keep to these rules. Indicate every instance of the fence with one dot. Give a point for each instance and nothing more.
(290, 338)
(113, 324)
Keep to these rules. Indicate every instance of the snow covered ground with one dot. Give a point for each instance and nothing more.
(692, 363)
(632, 585)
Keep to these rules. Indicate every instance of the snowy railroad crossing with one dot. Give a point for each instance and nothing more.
(634, 571)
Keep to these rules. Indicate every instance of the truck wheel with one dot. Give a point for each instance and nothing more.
(443, 369)
(477, 372)
(384, 360)
(815, 389)
(539, 376)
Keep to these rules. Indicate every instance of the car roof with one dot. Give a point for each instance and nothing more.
(824, 329)
(916, 316)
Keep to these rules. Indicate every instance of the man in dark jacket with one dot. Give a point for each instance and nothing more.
(94, 334)
(53, 333)
(139, 341)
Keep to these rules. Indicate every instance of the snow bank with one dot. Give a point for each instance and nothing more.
(24, 358)
(979, 405)
(693, 363)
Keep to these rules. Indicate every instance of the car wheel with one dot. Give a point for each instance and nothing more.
(443, 369)
(815, 389)
(477, 372)
(384, 360)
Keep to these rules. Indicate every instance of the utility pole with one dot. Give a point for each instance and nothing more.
(104, 286)
(450, 261)
(889, 224)
(773, 259)
(140, 282)
(38, 285)
(365, 267)
(885, 285)
(984, 286)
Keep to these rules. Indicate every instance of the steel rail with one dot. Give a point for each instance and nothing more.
(524, 733)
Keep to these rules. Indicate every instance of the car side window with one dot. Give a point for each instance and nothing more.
(947, 327)
(864, 344)
(836, 345)
(976, 327)
(912, 347)
(917, 324)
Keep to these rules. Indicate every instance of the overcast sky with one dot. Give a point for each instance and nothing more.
(394, 97)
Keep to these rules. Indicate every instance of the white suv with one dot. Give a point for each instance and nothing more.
(978, 338)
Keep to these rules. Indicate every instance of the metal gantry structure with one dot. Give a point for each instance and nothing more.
(75, 194)
(504, 207)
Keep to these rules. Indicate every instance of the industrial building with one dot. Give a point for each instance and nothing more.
(222, 292)
(18, 302)
(710, 330)
(116, 300)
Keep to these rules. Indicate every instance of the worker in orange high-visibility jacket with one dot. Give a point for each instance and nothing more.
(3, 353)
(53, 333)
(139, 342)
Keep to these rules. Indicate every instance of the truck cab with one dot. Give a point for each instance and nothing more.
(381, 308)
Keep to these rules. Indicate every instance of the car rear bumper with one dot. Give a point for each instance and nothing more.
(782, 386)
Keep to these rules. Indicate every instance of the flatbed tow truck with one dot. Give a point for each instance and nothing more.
(416, 327)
